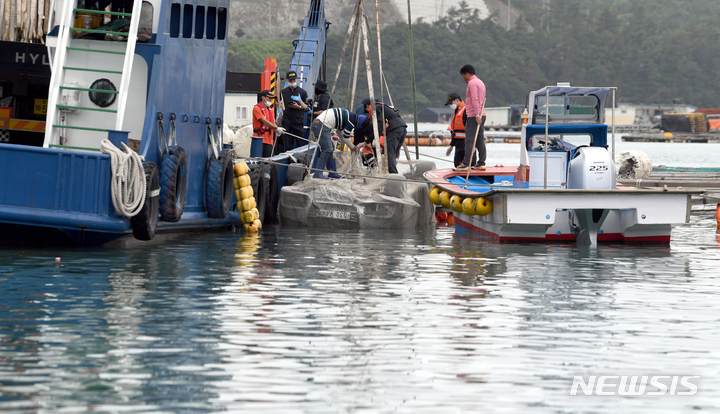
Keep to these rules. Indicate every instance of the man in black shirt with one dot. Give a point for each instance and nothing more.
(395, 134)
(322, 98)
(294, 108)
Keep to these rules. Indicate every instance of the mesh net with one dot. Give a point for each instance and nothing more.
(374, 202)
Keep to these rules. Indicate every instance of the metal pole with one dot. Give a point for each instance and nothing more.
(508, 15)
(613, 126)
(412, 80)
(371, 91)
(547, 120)
(380, 70)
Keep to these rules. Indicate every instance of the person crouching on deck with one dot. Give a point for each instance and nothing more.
(332, 119)
(264, 122)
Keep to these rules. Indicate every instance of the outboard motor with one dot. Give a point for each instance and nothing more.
(592, 169)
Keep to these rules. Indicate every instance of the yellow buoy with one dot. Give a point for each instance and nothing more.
(245, 192)
(257, 223)
(668, 135)
(236, 182)
(240, 168)
(245, 180)
(255, 213)
(252, 200)
(445, 199)
(252, 228)
(237, 195)
(247, 217)
(467, 206)
(456, 203)
(251, 192)
(246, 204)
(482, 206)
(435, 196)
(246, 227)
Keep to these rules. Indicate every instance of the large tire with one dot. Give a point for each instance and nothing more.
(260, 188)
(173, 184)
(296, 172)
(144, 223)
(219, 186)
(273, 198)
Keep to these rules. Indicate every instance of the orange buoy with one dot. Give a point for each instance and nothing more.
(451, 219)
(717, 215)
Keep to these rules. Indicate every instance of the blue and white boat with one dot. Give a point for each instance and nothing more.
(147, 72)
(565, 187)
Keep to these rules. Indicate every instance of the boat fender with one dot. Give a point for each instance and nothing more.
(296, 172)
(435, 196)
(482, 206)
(219, 185)
(260, 188)
(456, 203)
(173, 184)
(144, 223)
(467, 206)
(445, 199)
(273, 195)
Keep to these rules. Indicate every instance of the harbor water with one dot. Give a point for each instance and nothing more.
(297, 320)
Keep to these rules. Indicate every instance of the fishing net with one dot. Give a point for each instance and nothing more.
(371, 202)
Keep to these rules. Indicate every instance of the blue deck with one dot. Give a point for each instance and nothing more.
(483, 184)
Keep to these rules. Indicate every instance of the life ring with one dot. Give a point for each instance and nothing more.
(219, 186)
(144, 223)
(260, 188)
(173, 184)
(295, 172)
(273, 196)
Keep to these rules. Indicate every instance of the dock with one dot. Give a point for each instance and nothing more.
(676, 137)
(706, 179)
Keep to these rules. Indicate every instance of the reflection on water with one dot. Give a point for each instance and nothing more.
(298, 320)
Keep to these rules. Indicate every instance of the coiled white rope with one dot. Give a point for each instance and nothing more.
(128, 185)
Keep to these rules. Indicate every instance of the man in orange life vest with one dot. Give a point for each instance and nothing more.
(457, 128)
(264, 122)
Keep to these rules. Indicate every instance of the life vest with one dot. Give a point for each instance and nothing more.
(457, 124)
(260, 129)
(366, 150)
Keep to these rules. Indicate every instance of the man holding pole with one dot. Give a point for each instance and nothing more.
(475, 110)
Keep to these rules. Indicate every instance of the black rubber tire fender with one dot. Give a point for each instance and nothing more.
(272, 200)
(296, 172)
(219, 186)
(144, 223)
(173, 184)
(260, 188)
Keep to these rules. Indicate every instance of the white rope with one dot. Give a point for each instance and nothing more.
(128, 185)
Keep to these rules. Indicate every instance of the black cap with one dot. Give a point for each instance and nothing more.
(451, 97)
(267, 93)
(291, 75)
(321, 86)
(366, 101)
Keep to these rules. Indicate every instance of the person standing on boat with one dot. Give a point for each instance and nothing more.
(264, 122)
(332, 121)
(457, 127)
(394, 134)
(322, 100)
(294, 108)
(475, 110)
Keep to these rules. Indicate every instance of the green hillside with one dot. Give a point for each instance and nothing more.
(654, 51)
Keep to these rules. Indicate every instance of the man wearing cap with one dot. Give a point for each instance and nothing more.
(332, 121)
(294, 108)
(322, 98)
(264, 122)
(394, 133)
(457, 127)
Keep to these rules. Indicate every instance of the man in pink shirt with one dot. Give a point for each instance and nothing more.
(475, 110)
